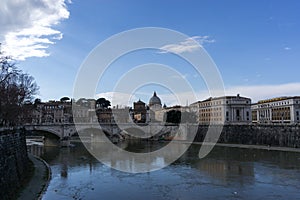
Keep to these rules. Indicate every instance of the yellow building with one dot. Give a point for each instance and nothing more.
(280, 110)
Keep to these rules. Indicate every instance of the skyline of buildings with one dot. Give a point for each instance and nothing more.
(217, 110)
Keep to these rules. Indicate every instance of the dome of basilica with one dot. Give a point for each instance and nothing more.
(154, 100)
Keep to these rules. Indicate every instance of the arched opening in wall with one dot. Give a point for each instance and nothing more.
(48, 138)
(133, 133)
(89, 135)
(136, 141)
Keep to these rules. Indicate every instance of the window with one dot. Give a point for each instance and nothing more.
(247, 113)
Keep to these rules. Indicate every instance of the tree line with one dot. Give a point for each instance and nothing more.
(16, 90)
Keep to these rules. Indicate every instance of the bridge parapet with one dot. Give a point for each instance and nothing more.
(69, 129)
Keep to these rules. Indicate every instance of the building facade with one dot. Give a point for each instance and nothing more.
(155, 103)
(226, 109)
(52, 112)
(139, 111)
(155, 107)
(281, 110)
(121, 115)
(104, 115)
(84, 111)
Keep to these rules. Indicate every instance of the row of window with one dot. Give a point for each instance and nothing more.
(210, 119)
(208, 114)
(210, 109)
(207, 104)
(51, 107)
(275, 104)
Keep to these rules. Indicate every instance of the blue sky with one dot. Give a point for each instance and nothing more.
(255, 44)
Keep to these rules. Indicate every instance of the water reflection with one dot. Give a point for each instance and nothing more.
(227, 173)
(37, 150)
(115, 157)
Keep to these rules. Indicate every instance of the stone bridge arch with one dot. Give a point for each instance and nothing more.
(46, 133)
(56, 131)
(66, 130)
(135, 132)
(107, 130)
(50, 138)
(92, 130)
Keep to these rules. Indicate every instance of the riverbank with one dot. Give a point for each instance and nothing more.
(263, 147)
(264, 135)
(15, 166)
(39, 180)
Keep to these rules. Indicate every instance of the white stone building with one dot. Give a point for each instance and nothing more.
(281, 110)
(154, 107)
(226, 109)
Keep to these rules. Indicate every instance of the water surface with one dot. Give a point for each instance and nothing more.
(226, 173)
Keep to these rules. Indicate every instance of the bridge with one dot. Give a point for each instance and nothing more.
(63, 130)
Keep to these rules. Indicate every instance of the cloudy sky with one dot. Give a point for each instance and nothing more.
(254, 44)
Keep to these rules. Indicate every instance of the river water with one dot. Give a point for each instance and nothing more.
(226, 173)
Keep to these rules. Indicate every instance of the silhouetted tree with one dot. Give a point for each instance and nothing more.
(16, 88)
(37, 101)
(64, 99)
(176, 116)
(173, 116)
(102, 103)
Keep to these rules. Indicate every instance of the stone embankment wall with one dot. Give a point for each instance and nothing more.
(273, 135)
(13, 163)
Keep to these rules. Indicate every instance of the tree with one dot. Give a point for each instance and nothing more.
(176, 116)
(16, 88)
(102, 103)
(64, 99)
(37, 101)
(173, 116)
(83, 102)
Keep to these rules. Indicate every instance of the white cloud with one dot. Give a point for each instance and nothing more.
(287, 48)
(267, 59)
(189, 45)
(259, 92)
(27, 26)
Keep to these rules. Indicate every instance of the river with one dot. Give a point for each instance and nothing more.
(226, 173)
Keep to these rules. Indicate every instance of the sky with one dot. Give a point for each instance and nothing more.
(254, 44)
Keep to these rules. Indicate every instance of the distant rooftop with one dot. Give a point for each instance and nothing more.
(277, 99)
(216, 98)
